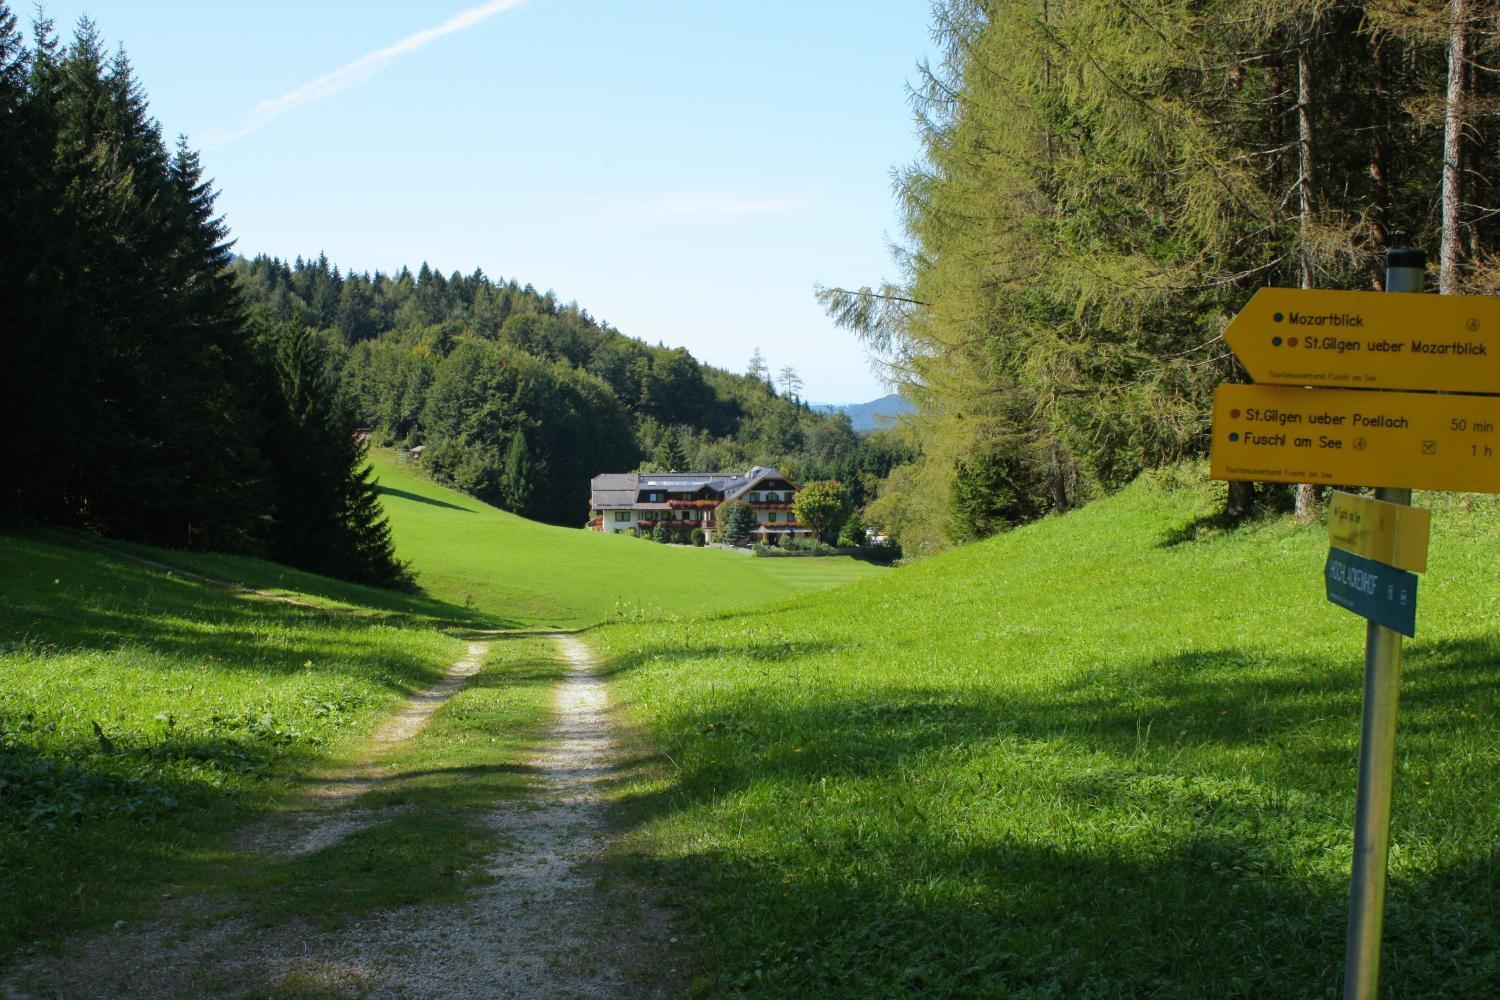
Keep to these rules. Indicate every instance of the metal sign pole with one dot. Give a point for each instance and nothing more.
(1405, 271)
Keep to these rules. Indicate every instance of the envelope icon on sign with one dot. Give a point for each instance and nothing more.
(1429, 447)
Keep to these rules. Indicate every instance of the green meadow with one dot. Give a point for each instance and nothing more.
(523, 573)
(1109, 754)
(145, 713)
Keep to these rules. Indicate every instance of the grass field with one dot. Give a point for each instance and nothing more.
(1110, 754)
(522, 573)
(142, 715)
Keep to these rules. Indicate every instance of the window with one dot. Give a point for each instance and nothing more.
(622, 515)
(771, 517)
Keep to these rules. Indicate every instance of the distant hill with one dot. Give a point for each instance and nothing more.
(873, 415)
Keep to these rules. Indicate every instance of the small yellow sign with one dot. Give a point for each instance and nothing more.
(1388, 533)
(1369, 340)
(1424, 441)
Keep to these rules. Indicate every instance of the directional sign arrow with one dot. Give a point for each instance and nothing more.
(1426, 441)
(1369, 340)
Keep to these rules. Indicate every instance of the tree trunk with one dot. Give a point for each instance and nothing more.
(1380, 185)
(1307, 494)
(1241, 499)
(1304, 160)
(1460, 27)
(1059, 478)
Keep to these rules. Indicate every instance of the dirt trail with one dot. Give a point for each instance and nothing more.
(325, 817)
(542, 929)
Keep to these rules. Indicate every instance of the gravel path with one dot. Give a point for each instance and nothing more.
(542, 929)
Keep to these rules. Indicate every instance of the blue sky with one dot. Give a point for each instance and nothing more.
(687, 171)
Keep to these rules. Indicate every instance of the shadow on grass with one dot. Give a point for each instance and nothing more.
(88, 831)
(391, 491)
(772, 654)
(245, 575)
(89, 820)
(59, 601)
(1160, 828)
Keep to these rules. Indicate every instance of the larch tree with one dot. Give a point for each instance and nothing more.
(1101, 188)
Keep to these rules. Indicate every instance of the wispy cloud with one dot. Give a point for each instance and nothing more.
(356, 72)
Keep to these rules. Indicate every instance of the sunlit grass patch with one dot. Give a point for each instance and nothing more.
(1090, 757)
(142, 714)
(419, 834)
(472, 555)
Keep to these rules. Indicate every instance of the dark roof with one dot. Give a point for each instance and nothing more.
(614, 489)
(622, 489)
(743, 484)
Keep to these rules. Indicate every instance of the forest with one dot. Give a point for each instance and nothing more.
(520, 400)
(172, 392)
(145, 401)
(1103, 185)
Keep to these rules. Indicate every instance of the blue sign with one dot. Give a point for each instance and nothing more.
(1383, 594)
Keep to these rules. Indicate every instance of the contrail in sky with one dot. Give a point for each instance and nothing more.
(359, 70)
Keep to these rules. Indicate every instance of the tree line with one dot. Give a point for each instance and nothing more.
(144, 401)
(520, 399)
(1104, 184)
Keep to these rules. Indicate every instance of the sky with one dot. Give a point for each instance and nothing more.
(686, 171)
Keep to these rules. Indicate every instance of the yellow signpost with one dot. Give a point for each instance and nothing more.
(1385, 532)
(1409, 440)
(1369, 340)
(1319, 422)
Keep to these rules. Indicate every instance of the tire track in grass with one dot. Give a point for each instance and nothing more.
(324, 817)
(541, 927)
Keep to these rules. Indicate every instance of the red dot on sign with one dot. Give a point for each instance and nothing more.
(1291, 341)
(1235, 414)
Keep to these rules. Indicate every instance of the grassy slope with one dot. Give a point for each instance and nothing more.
(1084, 758)
(211, 702)
(208, 702)
(468, 553)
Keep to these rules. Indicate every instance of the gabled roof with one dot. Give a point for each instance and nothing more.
(614, 489)
(624, 489)
(757, 475)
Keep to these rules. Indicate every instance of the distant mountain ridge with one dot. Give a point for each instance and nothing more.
(871, 416)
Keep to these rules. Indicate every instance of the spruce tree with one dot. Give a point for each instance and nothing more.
(127, 351)
(669, 456)
(327, 515)
(518, 476)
